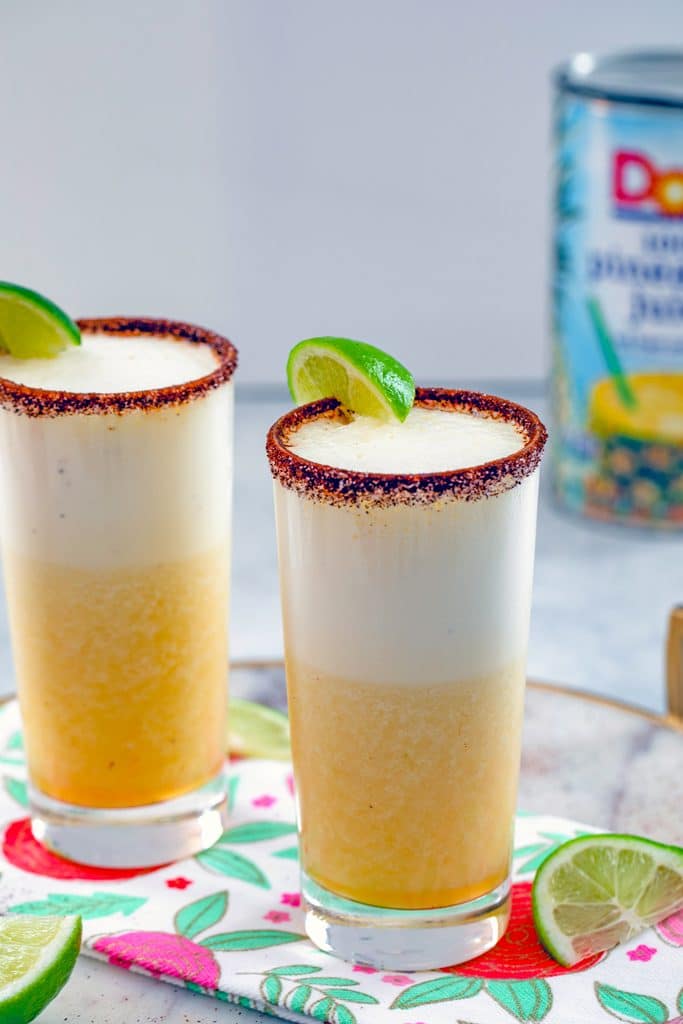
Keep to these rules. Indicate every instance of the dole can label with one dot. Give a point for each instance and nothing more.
(617, 307)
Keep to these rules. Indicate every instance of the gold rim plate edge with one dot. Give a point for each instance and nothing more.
(666, 721)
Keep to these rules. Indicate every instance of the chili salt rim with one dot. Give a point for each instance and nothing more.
(336, 486)
(47, 402)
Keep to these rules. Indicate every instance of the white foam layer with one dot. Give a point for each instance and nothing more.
(429, 441)
(119, 490)
(410, 594)
(106, 364)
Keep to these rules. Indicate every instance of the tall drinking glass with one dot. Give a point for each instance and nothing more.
(406, 600)
(115, 479)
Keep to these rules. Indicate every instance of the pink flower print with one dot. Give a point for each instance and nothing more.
(289, 783)
(277, 916)
(396, 979)
(161, 954)
(641, 952)
(362, 969)
(671, 929)
(178, 883)
(291, 899)
(264, 801)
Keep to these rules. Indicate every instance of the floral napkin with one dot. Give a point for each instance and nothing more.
(229, 923)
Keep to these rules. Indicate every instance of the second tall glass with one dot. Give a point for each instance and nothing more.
(406, 611)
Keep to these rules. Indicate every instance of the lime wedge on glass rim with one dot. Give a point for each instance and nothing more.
(363, 378)
(597, 891)
(31, 326)
(37, 955)
(255, 730)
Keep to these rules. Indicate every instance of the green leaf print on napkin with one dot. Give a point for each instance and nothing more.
(526, 1000)
(322, 1010)
(13, 752)
(17, 790)
(630, 1006)
(438, 990)
(260, 938)
(233, 784)
(298, 997)
(98, 904)
(221, 860)
(289, 853)
(679, 1004)
(293, 970)
(271, 989)
(256, 831)
(350, 995)
(305, 990)
(201, 915)
(226, 862)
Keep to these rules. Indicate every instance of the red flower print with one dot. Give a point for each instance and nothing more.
(264, 801)
(178, 883)
(362, 969)
(519, 954)
(291, 899)
(396, 979)
(23, 851)
(641, 952)
(277, 916)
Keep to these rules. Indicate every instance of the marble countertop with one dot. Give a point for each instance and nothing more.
(601, 601)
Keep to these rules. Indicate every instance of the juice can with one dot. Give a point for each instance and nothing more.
(617, 287)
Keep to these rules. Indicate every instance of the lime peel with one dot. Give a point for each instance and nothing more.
(362, 377)
(597, 891)
(32, 326)
(37, 956)
(255, 730)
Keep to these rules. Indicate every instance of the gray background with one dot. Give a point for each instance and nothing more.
(284, 168)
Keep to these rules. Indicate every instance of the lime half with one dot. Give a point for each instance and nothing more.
(597, 891)
(32, 327)
(257, 731)
(37, 955)
(363, 378)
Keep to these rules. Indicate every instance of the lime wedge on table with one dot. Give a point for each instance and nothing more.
(37, 955)
(363, 378)
(32, 327)
(596, 891)
(255, 730)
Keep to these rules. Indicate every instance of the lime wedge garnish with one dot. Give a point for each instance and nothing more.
(597, 891)
(362, 377)
(32, 327)
(255, 730)
(37, 955)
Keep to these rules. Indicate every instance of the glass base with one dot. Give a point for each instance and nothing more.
(404, 940)
(132, 837)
